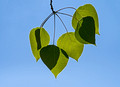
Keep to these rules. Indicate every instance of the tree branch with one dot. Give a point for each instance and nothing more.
(52, 6)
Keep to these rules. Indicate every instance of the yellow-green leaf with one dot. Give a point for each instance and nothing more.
(85, 31)
(61, 63)
(71, 45)
(84, 11)
(38, 39)
(54, 58)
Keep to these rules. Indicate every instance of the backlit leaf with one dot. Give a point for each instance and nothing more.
(85, 31)
(84, 11)
(38, 39)
(54, 58)
(71, 45)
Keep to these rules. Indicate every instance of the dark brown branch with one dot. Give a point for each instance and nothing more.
(52, 6)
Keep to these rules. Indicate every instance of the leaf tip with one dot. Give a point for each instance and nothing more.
(94, 44)
(37, 59)
(55, 75)
(76, 60)
(98, 33)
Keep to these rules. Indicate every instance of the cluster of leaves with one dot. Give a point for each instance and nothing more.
(70, 44)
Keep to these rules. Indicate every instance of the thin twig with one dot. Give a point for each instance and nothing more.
(62, 23)
(52, 6)
(46, 20)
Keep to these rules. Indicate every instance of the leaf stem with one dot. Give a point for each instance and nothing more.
(54, 31)
(65, 14)
(62, 23)
(68, 15)
(66, 8)
(46, 20)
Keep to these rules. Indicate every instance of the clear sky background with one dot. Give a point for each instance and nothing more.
(99, 66)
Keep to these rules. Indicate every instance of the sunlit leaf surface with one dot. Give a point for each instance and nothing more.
(85, 31)
(71, 45)
(54, 58)
(84, 11)
(38, 39)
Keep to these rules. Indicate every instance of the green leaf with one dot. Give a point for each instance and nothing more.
(38, 39)
(54, 58)
(84, 11)
(71, 45)
(50, 55)
(85, 31)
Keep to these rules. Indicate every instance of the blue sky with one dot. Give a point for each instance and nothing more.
(99, 66)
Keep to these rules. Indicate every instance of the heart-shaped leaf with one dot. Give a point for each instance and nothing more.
(38, 39)
(71, 45)
(85, 31)
(54, 58)
(84, 11)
